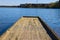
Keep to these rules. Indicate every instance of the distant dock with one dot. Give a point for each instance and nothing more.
(29, 28)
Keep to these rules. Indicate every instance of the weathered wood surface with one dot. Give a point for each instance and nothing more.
(26, 29)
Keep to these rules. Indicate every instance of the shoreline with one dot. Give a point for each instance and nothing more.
(26, 7)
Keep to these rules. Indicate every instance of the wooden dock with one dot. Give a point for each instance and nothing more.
(26, 29)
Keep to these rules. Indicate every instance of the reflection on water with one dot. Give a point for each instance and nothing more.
(8, 16)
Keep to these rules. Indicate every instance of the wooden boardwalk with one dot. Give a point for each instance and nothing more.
(26, 29)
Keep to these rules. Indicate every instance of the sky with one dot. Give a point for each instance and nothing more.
(17, 2)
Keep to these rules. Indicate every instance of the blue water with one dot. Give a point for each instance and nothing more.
(8, 16)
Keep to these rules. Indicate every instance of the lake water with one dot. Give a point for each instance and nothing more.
(8, 16)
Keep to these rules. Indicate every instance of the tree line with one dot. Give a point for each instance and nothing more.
(51, 5)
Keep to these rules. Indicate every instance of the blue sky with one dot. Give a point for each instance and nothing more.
(17, 2)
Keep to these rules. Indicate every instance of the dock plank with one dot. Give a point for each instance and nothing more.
(26, 29)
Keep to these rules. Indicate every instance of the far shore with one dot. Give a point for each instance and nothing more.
(31, 5)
